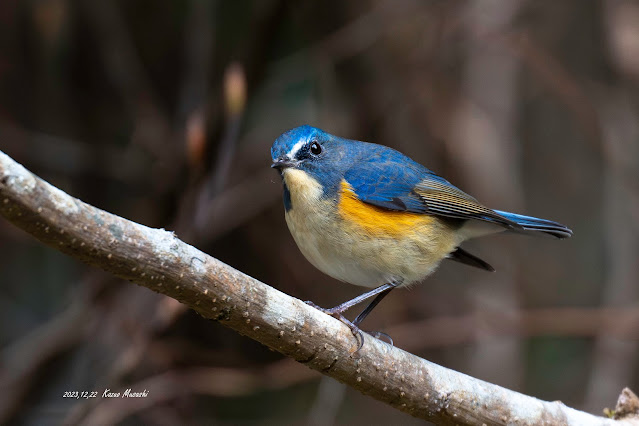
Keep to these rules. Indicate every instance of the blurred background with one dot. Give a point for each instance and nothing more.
(163, 112)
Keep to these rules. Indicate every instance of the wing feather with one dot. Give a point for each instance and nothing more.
(442, 198)
(398, 183)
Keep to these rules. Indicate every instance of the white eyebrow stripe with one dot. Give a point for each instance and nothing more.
(295, 148)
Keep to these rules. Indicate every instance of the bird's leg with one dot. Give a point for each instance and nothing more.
(371, 306)
(337, 311)
(364, 314)
(350, 303)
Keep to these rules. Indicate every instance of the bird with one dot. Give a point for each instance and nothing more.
(368, 215)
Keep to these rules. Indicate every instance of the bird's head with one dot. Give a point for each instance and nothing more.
(300, 148)
(319, 155)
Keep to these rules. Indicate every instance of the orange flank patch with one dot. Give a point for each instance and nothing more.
(375, 219)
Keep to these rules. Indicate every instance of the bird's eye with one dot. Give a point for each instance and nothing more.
(316, 149)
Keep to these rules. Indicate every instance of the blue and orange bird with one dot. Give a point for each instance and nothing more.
(368, 215)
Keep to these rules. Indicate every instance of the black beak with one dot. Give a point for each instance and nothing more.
(283, 163)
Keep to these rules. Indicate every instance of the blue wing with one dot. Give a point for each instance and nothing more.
(393, 181)
(384, 183)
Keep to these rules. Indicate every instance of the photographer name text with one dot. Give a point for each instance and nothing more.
(108, 393)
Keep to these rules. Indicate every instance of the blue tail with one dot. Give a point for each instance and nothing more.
(532, 224)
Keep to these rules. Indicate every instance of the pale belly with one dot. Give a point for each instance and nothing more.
(364, 256)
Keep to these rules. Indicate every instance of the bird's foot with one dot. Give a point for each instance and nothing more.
(379, 334)
(337, 314)
(357, 332)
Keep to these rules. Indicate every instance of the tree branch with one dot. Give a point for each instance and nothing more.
(157, 259)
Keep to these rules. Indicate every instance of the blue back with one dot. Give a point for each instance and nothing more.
(378, 174)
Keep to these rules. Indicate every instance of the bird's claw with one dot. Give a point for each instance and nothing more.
(378, 334)
(313, 305)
